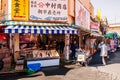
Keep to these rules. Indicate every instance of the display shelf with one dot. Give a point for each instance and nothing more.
(48, 58)
(45, 62)
(42, 54)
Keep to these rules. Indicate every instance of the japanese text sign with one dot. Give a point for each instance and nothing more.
(82, 15)
(19, 9)
(94, 26)
(52, 10)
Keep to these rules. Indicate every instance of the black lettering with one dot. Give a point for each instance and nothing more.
(40, 11)
(64, 7)
(49, 12)
(53, 5)
(58, 6)
(47, 4)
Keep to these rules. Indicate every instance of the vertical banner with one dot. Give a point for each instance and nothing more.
(19, 9)
(82, 15)
(67, 46)
(99, 14)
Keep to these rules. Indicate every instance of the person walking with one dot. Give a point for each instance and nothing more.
(103, 52)
(73, 48)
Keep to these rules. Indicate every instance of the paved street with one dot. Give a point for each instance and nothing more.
(75, 72)
(113, 66)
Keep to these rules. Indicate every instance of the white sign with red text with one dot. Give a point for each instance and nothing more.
(94, 26)
(82, 15)
(49, 10)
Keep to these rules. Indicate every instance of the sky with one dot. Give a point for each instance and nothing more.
(109, 9)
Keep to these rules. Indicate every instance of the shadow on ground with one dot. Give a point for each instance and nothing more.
(49, 71)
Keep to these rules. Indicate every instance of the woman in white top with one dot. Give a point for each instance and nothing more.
(103, 52)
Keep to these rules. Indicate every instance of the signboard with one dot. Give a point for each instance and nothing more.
(49, 10)
(94, 26)
(19, 9)
(81, 57)
(82, 15)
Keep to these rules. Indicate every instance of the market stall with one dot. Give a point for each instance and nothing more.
(32, 20)
(29, 45)
(113, 41)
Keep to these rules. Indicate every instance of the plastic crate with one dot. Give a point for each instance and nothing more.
(34, 66)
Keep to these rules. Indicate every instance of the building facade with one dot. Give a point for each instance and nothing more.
(73, 12)
(114, 28)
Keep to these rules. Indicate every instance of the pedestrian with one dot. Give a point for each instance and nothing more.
(103, 52)
(73, 48)
(62, 45)
(57, 45)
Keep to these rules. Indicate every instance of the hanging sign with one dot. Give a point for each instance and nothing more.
(82, 15)
(49, 10)
(19, 9)
(94, 26)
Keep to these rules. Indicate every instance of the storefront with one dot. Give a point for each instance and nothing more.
(34, 42)
(112, 40)
(34, 26)
(82, 20)
(95, 37)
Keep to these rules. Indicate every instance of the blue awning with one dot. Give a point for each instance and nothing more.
(41, 29)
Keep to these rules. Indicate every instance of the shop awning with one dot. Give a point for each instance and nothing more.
(96, 34)
(110, 35)
(41, 29)
(82, 29)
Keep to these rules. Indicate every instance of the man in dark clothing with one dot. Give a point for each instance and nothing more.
(73, 48)
(62, 45)
(57, 45)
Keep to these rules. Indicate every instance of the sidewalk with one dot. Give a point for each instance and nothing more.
(113, 65)
(112, 69)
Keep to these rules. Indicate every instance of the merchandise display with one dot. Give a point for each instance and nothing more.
(38, 50)
(42, 54)
(44, 57)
